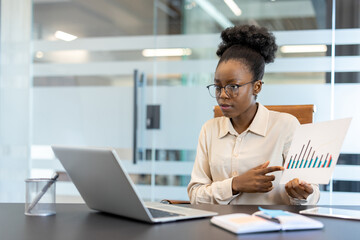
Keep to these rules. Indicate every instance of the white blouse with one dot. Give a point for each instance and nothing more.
(222, 154)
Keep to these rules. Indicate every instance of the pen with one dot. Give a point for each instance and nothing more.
(43, 191)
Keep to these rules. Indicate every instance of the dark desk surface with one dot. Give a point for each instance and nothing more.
(76, 221)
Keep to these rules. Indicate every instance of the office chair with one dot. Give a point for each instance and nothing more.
(304, 113)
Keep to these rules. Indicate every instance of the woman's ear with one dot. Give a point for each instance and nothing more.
(257, 87)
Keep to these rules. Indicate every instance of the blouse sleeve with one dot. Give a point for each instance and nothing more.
(202, 189)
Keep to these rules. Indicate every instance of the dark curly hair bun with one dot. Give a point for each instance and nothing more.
(258, 39)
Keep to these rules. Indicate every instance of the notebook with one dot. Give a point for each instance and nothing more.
(105, 186)
(265, 220)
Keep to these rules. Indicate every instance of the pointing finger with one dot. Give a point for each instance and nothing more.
(264, 165)
(271, 169)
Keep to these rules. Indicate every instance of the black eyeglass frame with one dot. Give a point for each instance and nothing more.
(220, 88)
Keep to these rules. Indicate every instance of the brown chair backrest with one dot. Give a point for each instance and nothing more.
(304, 113)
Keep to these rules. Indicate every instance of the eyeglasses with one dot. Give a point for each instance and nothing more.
(232, 90)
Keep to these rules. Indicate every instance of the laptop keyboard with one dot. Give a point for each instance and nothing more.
(156, 213)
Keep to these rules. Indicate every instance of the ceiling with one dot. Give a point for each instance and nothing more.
(99, 18)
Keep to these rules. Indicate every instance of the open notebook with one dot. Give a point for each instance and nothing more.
(265, 221)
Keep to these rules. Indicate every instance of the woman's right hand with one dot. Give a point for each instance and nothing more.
(255, 180)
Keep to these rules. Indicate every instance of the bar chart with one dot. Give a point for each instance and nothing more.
(308, 158)
(314, 151)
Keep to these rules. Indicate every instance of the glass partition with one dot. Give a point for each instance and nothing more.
(84, 54)
(15, 95)
(346, 185)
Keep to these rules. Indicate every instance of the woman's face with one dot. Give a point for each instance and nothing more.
(236, 72)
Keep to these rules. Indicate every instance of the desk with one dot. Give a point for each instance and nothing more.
(76, 221)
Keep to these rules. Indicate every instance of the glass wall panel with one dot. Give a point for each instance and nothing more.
(15, 94)
(83, 87)
(304, 70)
(345, 186)
(84, 57)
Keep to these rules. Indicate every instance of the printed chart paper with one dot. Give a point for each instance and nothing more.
(314, 151)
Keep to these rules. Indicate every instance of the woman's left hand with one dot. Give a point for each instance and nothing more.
(298, 189)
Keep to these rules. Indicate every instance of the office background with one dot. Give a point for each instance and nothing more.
(55, 89)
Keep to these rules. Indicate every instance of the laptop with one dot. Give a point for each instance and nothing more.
(105, 186)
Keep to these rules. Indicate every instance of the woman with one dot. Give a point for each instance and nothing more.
(239, 156)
